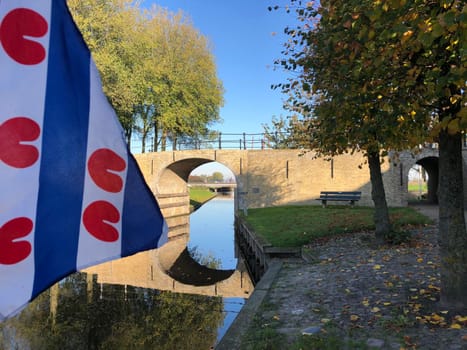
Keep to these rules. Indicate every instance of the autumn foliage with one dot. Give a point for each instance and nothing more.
(381, 76)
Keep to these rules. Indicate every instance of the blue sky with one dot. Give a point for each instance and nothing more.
(244, 47)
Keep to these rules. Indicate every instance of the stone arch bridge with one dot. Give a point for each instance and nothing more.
(263, 178)
(281, 177)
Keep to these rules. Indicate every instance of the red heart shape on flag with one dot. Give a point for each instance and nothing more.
(13, 133)
(102, 165)
(11, 250)
(16, 29)
(96, 219)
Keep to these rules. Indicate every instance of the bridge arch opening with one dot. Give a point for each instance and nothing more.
(174, 199)
(214, 176)
(423, 180)
(208, 171)
(174, 178)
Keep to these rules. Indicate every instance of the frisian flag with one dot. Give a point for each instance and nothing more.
(71, 194)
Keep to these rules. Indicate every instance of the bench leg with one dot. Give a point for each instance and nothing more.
(323, 203)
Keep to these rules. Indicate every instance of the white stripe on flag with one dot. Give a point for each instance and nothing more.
(105, 137)
(22, 99)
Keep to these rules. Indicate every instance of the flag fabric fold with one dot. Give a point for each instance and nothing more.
(71, 194)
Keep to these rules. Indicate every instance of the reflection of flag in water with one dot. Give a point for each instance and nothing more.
(71, 195)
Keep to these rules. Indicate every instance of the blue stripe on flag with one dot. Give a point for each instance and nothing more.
(63, 158)
(142, 221)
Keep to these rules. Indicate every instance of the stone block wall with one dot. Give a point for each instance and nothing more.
(274, 177)
(280, 177)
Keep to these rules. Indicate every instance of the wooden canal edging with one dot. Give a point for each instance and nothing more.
(258, 254)
(264, 263)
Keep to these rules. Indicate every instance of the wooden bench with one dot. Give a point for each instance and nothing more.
(339, 196)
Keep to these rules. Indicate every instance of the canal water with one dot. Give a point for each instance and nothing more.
(212, 235)
(81, 313)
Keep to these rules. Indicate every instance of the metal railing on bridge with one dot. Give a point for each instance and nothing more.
(241, 141)
(244, 141)
(229, 141)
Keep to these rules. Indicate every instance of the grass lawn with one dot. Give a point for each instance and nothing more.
(294, 226)
(415, 187)
(200, 195)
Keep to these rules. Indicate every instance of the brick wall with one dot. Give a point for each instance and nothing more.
(278, 177)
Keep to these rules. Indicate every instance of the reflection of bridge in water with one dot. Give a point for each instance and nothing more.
(171, 268)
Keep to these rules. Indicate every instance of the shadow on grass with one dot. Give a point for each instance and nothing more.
(295, 226)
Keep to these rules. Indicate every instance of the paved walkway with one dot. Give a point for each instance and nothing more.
(432, 211)
(381, 298)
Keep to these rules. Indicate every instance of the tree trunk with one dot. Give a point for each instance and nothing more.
(156, 135)
(143, 144)
(452, 234)
(128, 139)
(164, 141)
(381, 217)
(127, 125)
(433, 183)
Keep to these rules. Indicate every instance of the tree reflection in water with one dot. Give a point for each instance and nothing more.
(78, 313)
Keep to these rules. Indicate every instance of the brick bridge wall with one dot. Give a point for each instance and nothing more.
(280, 177)
(264, 178)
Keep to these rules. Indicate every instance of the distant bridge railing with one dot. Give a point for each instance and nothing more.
(212, 184)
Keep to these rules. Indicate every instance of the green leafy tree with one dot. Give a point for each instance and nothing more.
(110, 28)
(188, 93)
(436, 51)
(347, 94)
(217, 176)
(157, 70)
(278, 134)
(380, 76)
